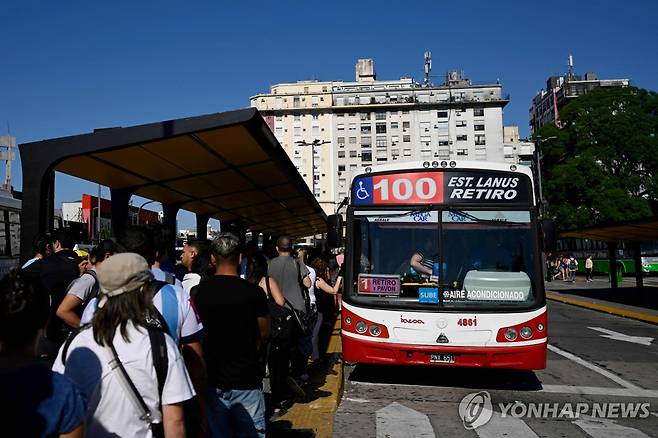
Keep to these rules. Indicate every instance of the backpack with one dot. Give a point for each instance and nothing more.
(572, 264)
(158, 353)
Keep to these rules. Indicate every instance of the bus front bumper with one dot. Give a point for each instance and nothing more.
(525, 357)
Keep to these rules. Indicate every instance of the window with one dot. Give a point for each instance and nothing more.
(324, 89)
(314, 101)
(406, 125)
(366, 156)
(406, 152)
(340, 115)
(341, 141)
(297, 118)
(352, 126)
(352, 140)
(366, 129)
(340, 127)
(406, 138)
(366, 142)
(305, 89)
(424, 126)
(380, 128)
(279, 118)
(342, 181)
(295, 102)
(442, 114)
(461, 123)
(478, 112)
(425, 140)
(315, 117)
(297, 131)
(365, 116)
(394, 125)
(279, 130)
(478, 127)
(341, 168)
(353, 167)
(381, 159)
(395, 152)
(315, 130)
(381, 142)
(480, 140)
(462, 137)
(425, 153)
(380, 115)
(352, 154)
(462, 152)
(444, 143)
(395, 139)
(341, 154)
(442, 128)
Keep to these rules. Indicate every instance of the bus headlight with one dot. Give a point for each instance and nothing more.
(375, 330)
(526, 332)
(361, 327)
(348, 320)
(510, 334)
(540, 327)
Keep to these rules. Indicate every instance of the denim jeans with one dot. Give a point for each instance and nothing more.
(236, 412)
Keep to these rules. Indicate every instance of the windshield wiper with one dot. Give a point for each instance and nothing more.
(424, 209)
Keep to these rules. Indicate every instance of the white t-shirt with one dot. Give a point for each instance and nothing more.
(190, 280)
(110, 411)
(311, 290)
(188, 326)
(82, 286)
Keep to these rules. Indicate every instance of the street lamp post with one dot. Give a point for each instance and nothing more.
(313, 144)
(139, 210)
(538, 155)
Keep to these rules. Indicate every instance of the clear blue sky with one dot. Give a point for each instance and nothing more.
(71, 66)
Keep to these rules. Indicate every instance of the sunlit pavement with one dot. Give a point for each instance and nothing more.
(595, 361)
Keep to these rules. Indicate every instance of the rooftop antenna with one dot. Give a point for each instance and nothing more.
(569, 66)
(428, 67)
(8, 142)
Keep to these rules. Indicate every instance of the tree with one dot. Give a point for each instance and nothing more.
(602, 166)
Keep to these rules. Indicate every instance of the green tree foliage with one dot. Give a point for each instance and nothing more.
(602, 166)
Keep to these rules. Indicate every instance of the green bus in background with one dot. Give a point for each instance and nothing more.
(581, 248)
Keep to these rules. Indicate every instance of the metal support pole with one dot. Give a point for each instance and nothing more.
(612, 259)
(637, 262)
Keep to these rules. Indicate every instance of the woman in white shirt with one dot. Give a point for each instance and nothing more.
(120, 324)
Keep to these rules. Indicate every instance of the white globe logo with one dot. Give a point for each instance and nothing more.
(475, 409)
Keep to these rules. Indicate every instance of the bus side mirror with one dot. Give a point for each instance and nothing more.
(549, 231)
(335, 231)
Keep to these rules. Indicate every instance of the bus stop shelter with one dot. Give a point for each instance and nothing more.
(227, 166)
(633, 232)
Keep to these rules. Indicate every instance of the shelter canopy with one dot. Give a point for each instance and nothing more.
(227, 166)
(640, 230)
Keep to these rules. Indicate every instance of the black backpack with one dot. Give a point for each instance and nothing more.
(572, 264)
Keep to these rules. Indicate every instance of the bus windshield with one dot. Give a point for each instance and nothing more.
(444, 259)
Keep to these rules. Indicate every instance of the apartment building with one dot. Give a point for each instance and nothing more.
(560, 90)
(517, 150)
(370, 121)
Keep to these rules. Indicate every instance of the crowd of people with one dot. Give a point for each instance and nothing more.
(127, 342)
(565, 267)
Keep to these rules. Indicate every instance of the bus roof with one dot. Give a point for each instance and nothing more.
(436, 164)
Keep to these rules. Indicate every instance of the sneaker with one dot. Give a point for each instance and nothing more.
(294, 386)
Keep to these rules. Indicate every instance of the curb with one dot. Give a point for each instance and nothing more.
(317, 416)
(618, 311)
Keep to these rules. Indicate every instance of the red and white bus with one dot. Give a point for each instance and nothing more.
(443, 267)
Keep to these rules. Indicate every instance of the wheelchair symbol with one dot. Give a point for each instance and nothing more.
(361, 192)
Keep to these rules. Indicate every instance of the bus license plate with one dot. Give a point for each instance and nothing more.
(442, 358)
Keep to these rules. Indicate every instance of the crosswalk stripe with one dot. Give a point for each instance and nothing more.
(603, 428)
(509, 426)
(399, 421)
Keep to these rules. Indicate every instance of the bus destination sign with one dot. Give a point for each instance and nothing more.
(438, 187)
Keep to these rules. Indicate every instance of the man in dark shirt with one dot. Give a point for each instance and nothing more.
(55, 273)
(234, 314)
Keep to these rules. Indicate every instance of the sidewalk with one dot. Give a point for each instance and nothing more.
(627, 301)
(315, 416)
